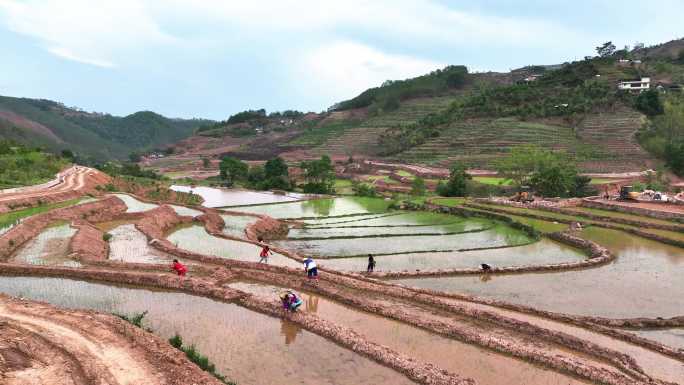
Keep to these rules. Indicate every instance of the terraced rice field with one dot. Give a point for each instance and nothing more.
(353, 329)
(479, 142)
(239, 341)
(194, 238)
(363, 138)
(130, 245)
(216, 197)
(339, 207)
(236, 224)
(50, 247)
(135, 205)
(479, 364)
(642, 282)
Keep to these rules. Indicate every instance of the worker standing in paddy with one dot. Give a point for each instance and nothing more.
(371, 264)
(310, 268)
(265, 251)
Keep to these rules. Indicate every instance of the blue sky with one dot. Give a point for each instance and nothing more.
(212, 58)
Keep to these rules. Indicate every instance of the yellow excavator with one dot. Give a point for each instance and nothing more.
(626, 194)
(524, 195)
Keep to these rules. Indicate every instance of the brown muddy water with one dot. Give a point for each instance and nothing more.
(50, 247)
(128, 244)
(247, 347)
(195, 238)
(485, 367)
(644, 281)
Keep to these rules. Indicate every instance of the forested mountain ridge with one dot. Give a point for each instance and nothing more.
(92, 136)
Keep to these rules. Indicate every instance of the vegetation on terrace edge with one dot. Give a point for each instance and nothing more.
(391, 93)
(176, 341)
(14, 217)
(566, 94)
(23, 166)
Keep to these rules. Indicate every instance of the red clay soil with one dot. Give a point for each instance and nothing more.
(73, 183)
(100, 211)
(88, 243)
(45, 345)
(452, 316)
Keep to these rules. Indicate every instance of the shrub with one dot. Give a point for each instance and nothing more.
(106, 237)
(363, 189)
(649, 103)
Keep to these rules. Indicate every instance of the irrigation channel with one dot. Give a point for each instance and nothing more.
(546, 314)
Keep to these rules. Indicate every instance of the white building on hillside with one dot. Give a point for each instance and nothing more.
(635, 85)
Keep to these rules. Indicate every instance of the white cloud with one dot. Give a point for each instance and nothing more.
(345, 68)
(85, 31)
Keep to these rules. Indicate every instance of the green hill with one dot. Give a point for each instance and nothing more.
(45, 123)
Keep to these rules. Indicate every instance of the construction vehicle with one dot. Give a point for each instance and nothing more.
(626, 194)
(524, 195)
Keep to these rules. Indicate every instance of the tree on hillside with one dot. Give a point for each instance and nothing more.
(276, 175)
(520, 163)
(549, 173)
(206, 162)
(606, 49)
(456, 186)
(554, 178)
(418, 186)
(232, 170)
(68, 154)
(649, 103)
(674, 156)
(319, 175)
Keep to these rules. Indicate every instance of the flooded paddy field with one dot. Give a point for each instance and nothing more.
(497, 236)
(316, 208)
(644, 281)
(485, 367)
(194, 238)
(135, 205)
(236, 224)
(671, 337)
(543, 252)
(50, 247)
(219, 197)
(247, 347)
(128, 244)
(186, 211)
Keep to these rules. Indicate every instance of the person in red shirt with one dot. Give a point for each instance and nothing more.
(179, 268)
(265, 251)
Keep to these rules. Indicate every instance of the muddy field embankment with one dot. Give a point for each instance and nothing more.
(100, 211)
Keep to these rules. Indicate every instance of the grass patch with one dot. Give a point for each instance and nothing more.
(176, 341)
(601, 180)
(449, 202)
(405, 174)
(494, 181)
(343, 186)
(12, 218)
(198, 358)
